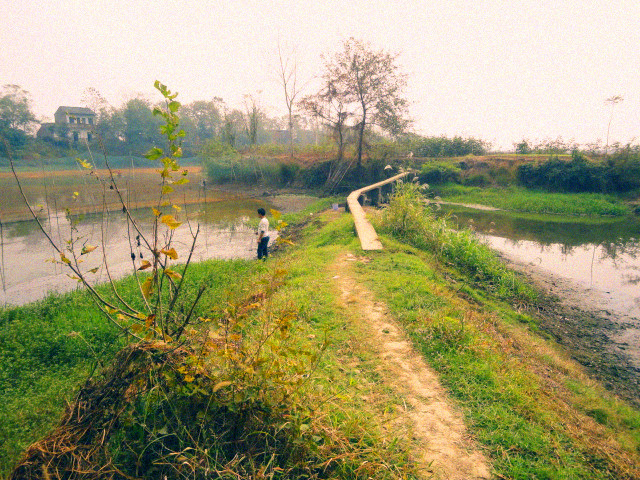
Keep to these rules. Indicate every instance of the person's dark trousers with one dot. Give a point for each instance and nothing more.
(262, 248)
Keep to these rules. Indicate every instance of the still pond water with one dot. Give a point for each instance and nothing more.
(227, 230)
(602, 256)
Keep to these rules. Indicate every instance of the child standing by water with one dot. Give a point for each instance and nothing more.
(263, 235)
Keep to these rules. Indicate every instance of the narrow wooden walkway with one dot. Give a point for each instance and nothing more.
(366, 233)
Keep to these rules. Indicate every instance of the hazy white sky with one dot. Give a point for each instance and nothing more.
(498, 70)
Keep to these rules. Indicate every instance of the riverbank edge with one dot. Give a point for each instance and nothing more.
(577, 318)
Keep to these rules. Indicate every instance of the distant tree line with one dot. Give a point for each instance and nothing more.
(132, 128)
(619, 173)
(440, 147)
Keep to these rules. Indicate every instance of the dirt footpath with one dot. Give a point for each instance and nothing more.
(447, 452)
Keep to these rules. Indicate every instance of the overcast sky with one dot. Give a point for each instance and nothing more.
(499, 70)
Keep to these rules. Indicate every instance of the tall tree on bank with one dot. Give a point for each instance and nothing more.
(371, 87)
(16, 117)
(613, 101)
(252, 119)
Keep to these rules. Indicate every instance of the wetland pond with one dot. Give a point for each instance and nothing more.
(227, 231)
(593, 263)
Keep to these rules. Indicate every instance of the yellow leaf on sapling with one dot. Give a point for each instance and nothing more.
(172, 274)
(171, 253)
(170, 221)
(144, 265)
(87, 249)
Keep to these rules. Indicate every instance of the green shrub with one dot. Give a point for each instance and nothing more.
(315, 175)
(449, 147)
(478, 180)
(407, 219)
(288, 173)
(575, 176)
(625, 167)
(434, 173)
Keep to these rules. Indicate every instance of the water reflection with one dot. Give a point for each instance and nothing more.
(28, 272)
(603, 256)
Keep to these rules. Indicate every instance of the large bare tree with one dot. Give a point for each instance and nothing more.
(328, 106)
(371, 87)
(288, 78)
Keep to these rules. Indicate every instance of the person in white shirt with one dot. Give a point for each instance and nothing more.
(263, 235)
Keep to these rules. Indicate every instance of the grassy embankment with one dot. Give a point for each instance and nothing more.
(532, 407)
(533, 410)
(522, 200)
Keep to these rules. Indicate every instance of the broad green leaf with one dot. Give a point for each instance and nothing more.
(167, 189)
(94, 270)
(154, 153)
(64, 258)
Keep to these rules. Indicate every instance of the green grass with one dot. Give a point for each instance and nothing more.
(70, 163)
(45, 363)
(533, 410)
(526, 427)
(519, 199)
(51, 346)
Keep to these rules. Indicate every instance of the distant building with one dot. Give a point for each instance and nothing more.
(73, 123)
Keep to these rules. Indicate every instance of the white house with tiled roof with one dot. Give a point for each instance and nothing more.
(75, 123)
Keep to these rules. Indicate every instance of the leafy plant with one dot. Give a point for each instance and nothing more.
(408, 218)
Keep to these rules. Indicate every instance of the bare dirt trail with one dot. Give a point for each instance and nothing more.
(447, 451)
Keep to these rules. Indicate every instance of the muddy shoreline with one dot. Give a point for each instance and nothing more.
(579, 320)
